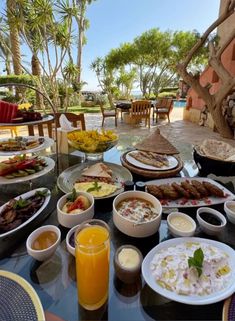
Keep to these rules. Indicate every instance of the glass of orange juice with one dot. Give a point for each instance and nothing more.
(92, 249)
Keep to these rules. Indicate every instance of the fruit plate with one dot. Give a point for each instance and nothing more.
(44, 119)
(190, 299)
(48, 142)
(69, 176)
(36, 214)
(173, 162)
(50, 165)
(183, 202)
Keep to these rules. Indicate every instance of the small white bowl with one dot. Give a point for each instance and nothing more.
(178, 231)
(209, 228)
(128, 226)
(70, 248)
(230, 213)
(43, 255)
(70, 220)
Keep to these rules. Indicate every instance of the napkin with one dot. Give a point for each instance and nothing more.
(65, 127)
(65, 124)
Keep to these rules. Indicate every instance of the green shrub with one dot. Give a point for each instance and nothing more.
(21, 79)
(166, 94)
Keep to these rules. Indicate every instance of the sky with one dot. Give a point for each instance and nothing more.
(113, 22)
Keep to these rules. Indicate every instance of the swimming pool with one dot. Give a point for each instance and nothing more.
(179, 103)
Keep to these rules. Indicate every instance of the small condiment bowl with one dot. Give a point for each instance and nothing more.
(70, 220)
(43, 255)
(229, 211)
(70, 247)
(210, 228)
(133, 228)
(185, 227)
(126, 274)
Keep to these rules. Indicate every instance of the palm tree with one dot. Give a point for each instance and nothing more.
(5, 53)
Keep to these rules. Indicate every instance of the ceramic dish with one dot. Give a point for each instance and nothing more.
(44, 119)
(50, 165)
(190, 299)
(213, 224)
(230, 212)
(183, 202)
(70, 234)
(173, 162)
(48, 142)
(68, 177)
(18, 299)
(24, 196)
(186, 226)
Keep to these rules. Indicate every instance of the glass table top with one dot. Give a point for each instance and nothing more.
(54, 280)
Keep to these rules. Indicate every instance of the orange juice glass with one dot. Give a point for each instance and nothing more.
(92, 249)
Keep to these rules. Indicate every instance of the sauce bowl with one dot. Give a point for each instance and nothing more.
(211, 221)
(229, 208)
(185, 226)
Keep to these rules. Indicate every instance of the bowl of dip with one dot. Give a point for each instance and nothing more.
(212, 222)
(42, 243)
(181, 224)
(229, 208)
(70, 240)
(137, 213)
(127, 263)
(74, 209)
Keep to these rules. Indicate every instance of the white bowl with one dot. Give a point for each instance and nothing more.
(128, 226)
(70, 248)
(70, 220)
(208, 228)
(230, 213)
(42, 255)
(176, 231)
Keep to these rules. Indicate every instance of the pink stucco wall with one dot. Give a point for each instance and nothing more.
(208, 76)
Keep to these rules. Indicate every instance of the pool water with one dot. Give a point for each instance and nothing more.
(179, 103)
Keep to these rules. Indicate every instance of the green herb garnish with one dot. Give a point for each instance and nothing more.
(95, 188)
(21, 203)
(73, 196)
(197, 261)
(42, 193)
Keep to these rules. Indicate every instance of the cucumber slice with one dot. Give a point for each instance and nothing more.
(30, 171)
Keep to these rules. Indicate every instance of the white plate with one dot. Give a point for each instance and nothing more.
(69, 176)
(173, 162)
(181, 202)
(50, 165)
(48, 142)
(27, 195)
(189, 299)
(43, 120)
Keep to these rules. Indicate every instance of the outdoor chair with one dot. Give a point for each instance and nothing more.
(140, 109)
(74, 119)
(164, 106)
(108, 113)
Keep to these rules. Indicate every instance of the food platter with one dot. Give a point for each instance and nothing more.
(37, 213)
(69, 176)
(190, 299)
(50, 165)
(18, 299)
(229, 309)
(173, 162)
(182, 202)
(43, 120)
(48, 142)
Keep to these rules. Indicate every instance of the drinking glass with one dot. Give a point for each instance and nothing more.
(92, 250)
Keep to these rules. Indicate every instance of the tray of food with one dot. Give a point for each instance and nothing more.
(191, 270)
(22, 168)
(21, 210)
(20, 121)
(188, 192)
(101, 179)
(151, 161)
(22, 145)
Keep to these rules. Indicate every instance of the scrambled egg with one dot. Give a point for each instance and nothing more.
(106, 189)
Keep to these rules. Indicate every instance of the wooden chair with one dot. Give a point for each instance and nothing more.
(140, 109)
(163, 107)
(73, 118)
(42, 129)
(108, 113)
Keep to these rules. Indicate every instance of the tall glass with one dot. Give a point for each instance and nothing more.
(92, 249)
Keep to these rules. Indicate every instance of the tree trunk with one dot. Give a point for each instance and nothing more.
(110, 99)
(15, 44)
(36, 71)
(220, 122)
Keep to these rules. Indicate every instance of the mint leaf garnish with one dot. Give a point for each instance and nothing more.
(196, 261)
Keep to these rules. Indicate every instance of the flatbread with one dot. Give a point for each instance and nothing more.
(217, 149)
(98, 170)
(151, 158)
(158, 144)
